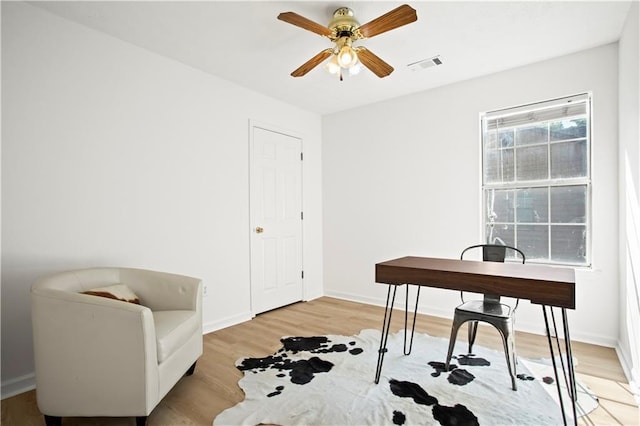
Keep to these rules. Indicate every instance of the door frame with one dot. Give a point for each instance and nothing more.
(286, 132)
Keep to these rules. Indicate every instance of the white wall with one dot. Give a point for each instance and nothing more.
(629, 160)
(112, 155)
(402, 177)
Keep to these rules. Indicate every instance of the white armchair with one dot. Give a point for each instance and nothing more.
(98, 357)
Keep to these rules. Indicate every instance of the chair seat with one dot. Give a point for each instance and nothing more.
(173, 329)
(492, 309)
(488, 310)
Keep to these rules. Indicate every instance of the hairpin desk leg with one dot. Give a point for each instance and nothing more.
(406, 317)
(572, 374)
(568, 376)
(569, 379)
(386, 324)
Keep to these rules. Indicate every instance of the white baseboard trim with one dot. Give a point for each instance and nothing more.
(27, 382)
(356, 298)
(527, 327)
(18, 385)
(312, 296)
(434, 311)
(212, 326)
(593, 339)
(632, 375)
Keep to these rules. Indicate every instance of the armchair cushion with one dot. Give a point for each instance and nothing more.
(116, 291)
(173, 330)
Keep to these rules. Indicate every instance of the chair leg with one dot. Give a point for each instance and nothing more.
(141, 420)
(510, 357)
(191, 369)
(452, 341)
(52, 420)
(473, 329)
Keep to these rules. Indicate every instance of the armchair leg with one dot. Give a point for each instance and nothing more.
(52, 420)
(141, 421)
(191, 369)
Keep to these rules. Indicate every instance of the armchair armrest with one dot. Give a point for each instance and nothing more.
(81, 340)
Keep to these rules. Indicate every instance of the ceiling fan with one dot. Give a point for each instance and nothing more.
(343, 30)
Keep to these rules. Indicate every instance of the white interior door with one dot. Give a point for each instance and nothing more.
(276, 219)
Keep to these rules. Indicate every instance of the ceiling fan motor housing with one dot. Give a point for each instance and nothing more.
(343, 23)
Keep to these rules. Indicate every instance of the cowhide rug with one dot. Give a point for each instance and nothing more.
(329, 380)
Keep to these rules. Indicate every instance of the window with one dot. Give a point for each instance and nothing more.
(537, 179)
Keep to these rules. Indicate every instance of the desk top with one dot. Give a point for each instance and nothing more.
(544, 285)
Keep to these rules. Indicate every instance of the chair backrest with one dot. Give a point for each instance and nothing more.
(493, 253)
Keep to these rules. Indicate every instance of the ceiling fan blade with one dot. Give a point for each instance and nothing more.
(373, 62)
(304, 23)
(398, 17)
(312, 63)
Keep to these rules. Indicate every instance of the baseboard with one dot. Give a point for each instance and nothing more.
(433, 311)
(593, 339)
(212, 326)
(18, 385)
(399, 304)
(527, 327)
(355, 298)
(627, 368)
(312, 296)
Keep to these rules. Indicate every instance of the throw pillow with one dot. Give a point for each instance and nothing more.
(116, 291)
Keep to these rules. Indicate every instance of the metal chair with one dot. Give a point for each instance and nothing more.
(490, 310)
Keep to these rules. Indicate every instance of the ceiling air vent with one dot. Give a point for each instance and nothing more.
(425, 63)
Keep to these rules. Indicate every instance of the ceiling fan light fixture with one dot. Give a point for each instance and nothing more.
(332, 65)
(347, 57)
(355, 69)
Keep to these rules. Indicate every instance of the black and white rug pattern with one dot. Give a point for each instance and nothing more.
(329, 380)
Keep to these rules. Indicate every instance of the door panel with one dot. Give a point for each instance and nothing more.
(276, 223)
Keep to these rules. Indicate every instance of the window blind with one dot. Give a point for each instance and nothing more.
(556, 109)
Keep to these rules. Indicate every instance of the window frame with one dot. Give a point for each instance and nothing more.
(515, 185)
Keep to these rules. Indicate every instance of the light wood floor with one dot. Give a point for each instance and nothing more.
(197, 399)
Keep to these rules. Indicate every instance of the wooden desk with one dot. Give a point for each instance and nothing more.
(543, 285)
(551, 287)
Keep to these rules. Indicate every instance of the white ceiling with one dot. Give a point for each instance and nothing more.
(244, 42)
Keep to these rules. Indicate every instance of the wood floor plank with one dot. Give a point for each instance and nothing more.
(197, 399)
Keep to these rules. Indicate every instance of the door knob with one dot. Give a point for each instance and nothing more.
(259, 230)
